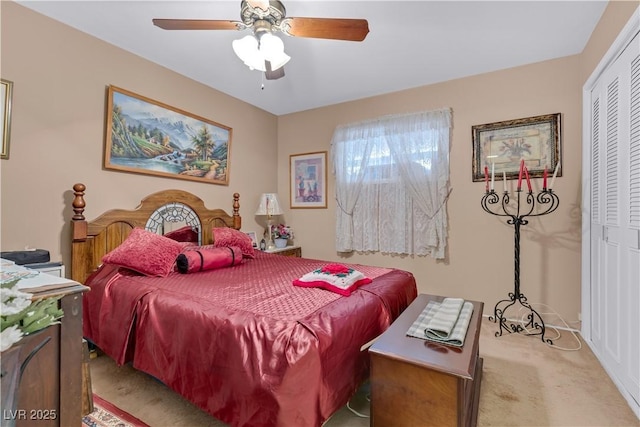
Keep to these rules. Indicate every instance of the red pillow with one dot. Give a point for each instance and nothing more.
(186, 245)
(145, 252)
(201, 259)
(183, 234)
(225, 237)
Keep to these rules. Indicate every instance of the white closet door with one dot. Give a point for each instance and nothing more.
(597, 223)
(615, 218)
(632, 245)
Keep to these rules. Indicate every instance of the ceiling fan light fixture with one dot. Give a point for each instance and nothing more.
(246, 49)
(272, 49)
(254, 53)
(256, 64)
(279, 61)
(270, 45)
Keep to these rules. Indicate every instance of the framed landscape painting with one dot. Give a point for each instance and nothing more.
(308, 179)
(149, 137)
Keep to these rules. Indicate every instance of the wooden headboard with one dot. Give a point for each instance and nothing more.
(91, 240)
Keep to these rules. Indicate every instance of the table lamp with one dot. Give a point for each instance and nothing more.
(269, 206)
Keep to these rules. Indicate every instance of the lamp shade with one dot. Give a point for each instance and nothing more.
(269, 205)
(270, 45)
(272, 48)
(254, 53)
(278, 61)
(246, 49)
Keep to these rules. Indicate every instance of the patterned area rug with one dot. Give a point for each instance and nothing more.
(106, 414)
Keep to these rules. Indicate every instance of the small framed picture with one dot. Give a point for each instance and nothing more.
(252, 235)
(308, 179)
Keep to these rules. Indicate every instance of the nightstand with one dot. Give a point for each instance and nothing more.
(294, 251)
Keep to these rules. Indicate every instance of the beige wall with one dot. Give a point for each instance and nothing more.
(480, 261)
(60, 78)
(613, 20)
(480, 257)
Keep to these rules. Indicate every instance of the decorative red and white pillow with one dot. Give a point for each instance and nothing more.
(336, 278)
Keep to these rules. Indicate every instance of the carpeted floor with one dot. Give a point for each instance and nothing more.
(525, 383)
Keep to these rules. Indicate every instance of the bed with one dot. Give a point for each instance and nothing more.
(240, 342)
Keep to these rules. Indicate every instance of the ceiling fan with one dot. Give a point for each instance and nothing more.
(264, 51)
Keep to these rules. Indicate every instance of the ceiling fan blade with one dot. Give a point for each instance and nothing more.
(273, 74)
(196, 24)
(326, 28)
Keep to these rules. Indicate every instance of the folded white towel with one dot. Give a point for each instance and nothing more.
(455, 335)
(444, 318)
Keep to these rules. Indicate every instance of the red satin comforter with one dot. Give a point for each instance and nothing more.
(242, 342)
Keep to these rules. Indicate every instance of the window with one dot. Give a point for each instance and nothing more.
(392, 182)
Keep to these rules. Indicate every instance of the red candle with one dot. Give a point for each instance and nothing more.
(526, 173)
(486, 179)
(520, 174)
(544, 179)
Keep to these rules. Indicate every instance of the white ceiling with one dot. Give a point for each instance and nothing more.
(410, 43)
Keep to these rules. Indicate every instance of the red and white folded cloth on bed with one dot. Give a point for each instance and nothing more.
(334, 277)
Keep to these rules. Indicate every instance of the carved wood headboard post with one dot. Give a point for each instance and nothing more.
(237, 220)
(79, 223)
(78, 235)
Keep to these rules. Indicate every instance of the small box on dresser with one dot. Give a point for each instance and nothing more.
(417, 382)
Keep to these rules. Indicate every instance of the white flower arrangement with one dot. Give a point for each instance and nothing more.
(19, 315)
(282, 231)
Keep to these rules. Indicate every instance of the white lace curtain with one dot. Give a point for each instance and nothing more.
(392, 183)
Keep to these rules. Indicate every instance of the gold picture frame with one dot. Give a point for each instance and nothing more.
(6, 94)
(148, 137)
(501, 146)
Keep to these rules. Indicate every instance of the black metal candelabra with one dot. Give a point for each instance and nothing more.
(541, 204)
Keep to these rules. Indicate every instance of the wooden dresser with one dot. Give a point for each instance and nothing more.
(416, 382)
(50, 392)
